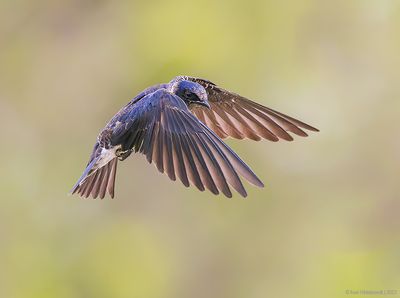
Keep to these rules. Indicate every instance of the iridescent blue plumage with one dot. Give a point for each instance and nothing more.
(179, 126)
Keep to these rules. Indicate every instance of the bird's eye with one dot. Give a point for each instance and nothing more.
(188, 94)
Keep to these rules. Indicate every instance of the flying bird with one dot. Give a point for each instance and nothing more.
(180, 126)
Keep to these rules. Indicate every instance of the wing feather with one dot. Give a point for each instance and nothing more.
(267, 122)
(239, 117)
(179, 164)
(214, 167)
(190, 165)
(201, 164)
(229, 127)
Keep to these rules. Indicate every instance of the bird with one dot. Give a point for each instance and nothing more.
(180, 127)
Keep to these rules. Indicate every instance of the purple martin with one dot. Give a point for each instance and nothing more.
(180, 126)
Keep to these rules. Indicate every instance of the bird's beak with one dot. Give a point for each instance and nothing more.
(204, 104)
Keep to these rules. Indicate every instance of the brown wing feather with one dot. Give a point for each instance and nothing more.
(238, 117)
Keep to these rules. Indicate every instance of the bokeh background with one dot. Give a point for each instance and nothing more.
(328, 220)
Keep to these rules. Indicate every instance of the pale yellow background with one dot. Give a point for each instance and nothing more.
(329, 217)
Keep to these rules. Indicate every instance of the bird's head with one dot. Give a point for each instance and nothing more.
(190, 92)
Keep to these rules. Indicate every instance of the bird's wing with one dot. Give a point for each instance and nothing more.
(128, 107)
(238, 117)
(161, 127)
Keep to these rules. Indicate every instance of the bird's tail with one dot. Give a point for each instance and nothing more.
(98, 177)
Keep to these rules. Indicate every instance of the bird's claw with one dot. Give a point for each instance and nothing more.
(122, 154)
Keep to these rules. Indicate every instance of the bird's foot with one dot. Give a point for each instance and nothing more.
(122, 154)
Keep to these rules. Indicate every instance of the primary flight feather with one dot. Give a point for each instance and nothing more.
(180, 126)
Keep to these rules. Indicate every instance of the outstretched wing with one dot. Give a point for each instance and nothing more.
(238, 117)
(162, 128)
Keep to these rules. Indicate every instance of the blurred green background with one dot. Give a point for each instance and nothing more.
(328, 220)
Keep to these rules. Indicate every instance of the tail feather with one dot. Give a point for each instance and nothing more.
(111, 181)
(96, 181)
